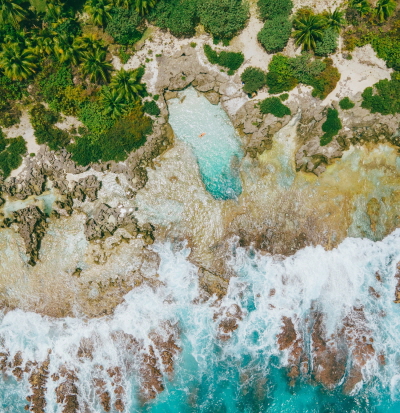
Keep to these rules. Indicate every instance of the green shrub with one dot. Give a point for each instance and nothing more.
(151, 108)
(46, 133)
(126, 135)
(384, 97)
(123, 26)
(305, 68)
(280, 76)
(284, 96)
(346, 103)
(328, 43)
(11, 151)
(388, 49)
(331, 126)
(230, 60)
(253, 79)
(275, 34)
(269, 9)
(275, 106)
(179, 16)
(223, 19)
(93, 117)
(326, 81)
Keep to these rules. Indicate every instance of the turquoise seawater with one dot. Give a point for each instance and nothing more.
(246, 373)
(218, 151)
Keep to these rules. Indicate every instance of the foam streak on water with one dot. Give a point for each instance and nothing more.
(245, 373)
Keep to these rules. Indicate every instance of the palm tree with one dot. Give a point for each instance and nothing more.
(308, 30)
(11, 12)
(115, 105)
(95, 66)
(384, 9)
(144, 6)
(43, 42)
(334, 19)
(362, 6)
(89, 42)
(126, 4)
(67, 49)
(127, 84)
(17, 62)
(99, 11)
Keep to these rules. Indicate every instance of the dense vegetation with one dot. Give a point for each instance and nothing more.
(253, 79)
(275, 34)
(230, 60)
(285, 73)
(331, 126)
(11, 151)
(274, 106)
(346, 104)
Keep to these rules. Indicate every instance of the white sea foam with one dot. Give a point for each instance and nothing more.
(332, 281)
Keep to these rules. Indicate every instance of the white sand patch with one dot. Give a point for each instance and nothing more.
(317, 5)
(254, 54)
(68, 122)
(362, 71)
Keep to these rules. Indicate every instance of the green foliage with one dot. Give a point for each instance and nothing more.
(223, 19)
(53, 82)
(305, 68)
(284, 96)
(384, 97)
(11, 12)
(11, 151)
(275, 34)
(285, 73)
(334, 20)
(326, 81)
(179, 16)
(230, 60)
(127, 83)
(388, 49)
(328, 43)
(280, 77)
(270, 9)
(309, 29)
(253, 79)
(43, 121)
(151, 108)
(123, 26)
(275, 106)
(99, 11)
(95, 66)
(17, 62)
(10, 91)
(331, 126)
(126, 135)
(346, 104)
(93, 117)
(384, 9)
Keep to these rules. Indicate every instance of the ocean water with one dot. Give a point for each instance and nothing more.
(247, 372)
(218, 151)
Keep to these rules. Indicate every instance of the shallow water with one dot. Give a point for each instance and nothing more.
(206, 128)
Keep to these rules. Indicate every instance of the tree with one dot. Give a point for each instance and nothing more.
(223, 18)
(127, 84)
(114, 103)
(361, 6)
(95, 66)
(43, 42)
(308, 30)
(144, 6)
(269, 9)
(11, 12)
(17, 62)
(334, 19)
(99, 11)
(384, 9)
(67, 49)
(275, 34)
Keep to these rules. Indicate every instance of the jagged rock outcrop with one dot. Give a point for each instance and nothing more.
(31, 222)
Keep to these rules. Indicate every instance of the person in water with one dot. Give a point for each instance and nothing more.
(202, 134)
